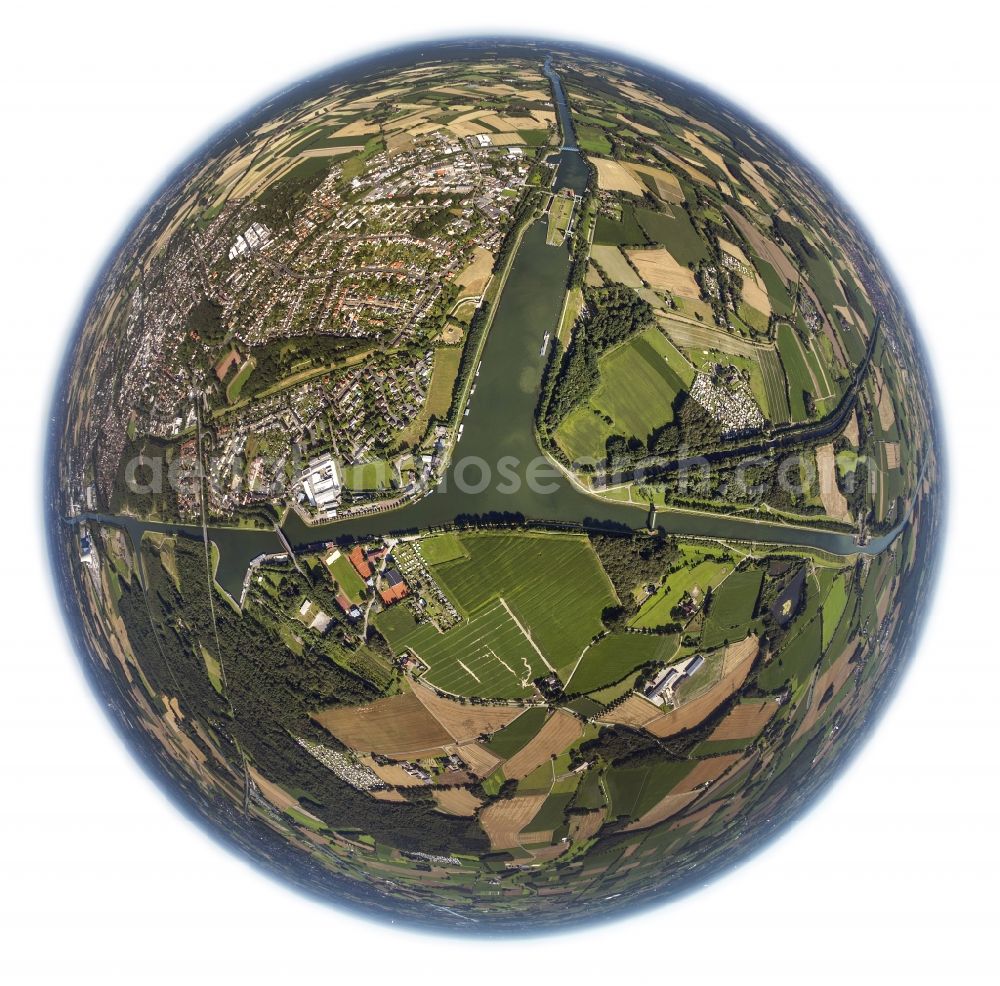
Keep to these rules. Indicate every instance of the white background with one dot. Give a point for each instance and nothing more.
(893, 876)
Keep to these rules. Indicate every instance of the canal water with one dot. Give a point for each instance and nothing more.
(497, 466)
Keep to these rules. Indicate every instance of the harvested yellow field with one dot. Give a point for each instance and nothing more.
(665, 808)
(464, 723)
(476, 276)
(763, 246)
(400, 143)
(834, 502)
(891, 454)
(560, 730)
(331, 151)
(388, 796)
(668, 187)
(687, 167)
(708, 771)
(612, 261)
(834, 678)
(612, 176)
(851, 429)
(659, 270)
(638, 127)
(410, 120)
(736, 666)
(502, 821)
(585, 826)
(478, 759)
(456, 801)
(506, 139)
(398, 727)
(391, 773)
(424, 128)
(745, 721)
(634, 711)
(886, 411)
(750, 172)
(357, 128)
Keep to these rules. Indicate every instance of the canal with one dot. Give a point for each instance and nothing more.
(497, 467)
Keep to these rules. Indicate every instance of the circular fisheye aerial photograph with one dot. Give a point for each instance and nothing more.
(494, 485)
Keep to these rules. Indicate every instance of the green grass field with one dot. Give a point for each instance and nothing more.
(623, 232)
(833, 608)
(616, 655)
(369, 476)
(675, 232)
(485, 654)
(701, 573)
(507, 741)
(634, 790)
(560, 213)
(346, 576)
(235, 386)
(732, 608)
(553, 583)
(637, 389)
(796, 371)
(773, 374)
(795, 660)
(440, 548)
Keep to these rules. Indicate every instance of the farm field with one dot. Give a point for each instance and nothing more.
(674, 231)
(558, 732)
(732, 608)
(510, 739)
(634, 790)
(553, 584)
(775, 386)
(637, 389)
(440, 548)
(796, 659)
(615, 656)
(612, 261)
(659, 269)
(796, 371)
(486, 654)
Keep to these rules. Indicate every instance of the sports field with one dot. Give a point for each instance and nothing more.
(345, 575)
(369, 476)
